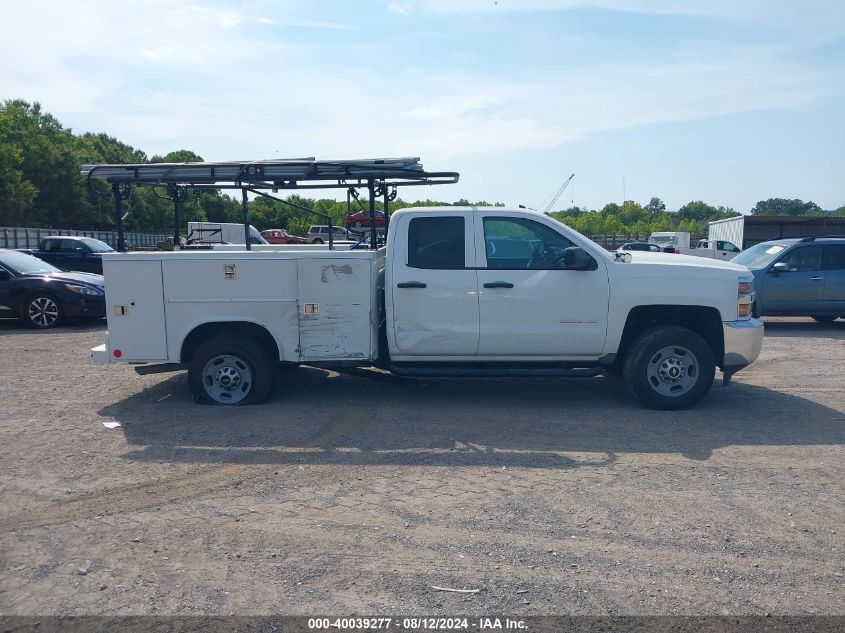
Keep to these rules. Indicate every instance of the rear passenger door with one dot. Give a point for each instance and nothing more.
(833, 269)
(433, 286)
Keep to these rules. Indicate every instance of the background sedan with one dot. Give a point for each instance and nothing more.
(42, 295)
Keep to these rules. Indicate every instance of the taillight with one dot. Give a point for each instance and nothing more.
(117, 353)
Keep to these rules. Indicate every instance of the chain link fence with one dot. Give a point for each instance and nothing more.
(18, 237)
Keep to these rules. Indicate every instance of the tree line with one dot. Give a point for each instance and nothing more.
(41, 186)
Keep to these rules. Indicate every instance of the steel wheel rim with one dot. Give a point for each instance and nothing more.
(43, 311)
(673, 371)
(227, 379)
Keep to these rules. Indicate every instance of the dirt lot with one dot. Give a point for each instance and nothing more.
(346, 495)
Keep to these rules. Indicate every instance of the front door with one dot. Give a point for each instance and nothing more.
(434, 287)
(799, 290)
(529, 304)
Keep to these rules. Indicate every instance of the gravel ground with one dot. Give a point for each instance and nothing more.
(347, 495)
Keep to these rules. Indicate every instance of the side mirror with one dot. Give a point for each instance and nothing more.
(576, 258)
(780, 267)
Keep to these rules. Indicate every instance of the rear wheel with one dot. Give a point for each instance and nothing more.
(669, 367)
(824, 319)
(230, 370)
(43, 311)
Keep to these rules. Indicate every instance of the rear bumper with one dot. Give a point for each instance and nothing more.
(100, 354)
(743, 342)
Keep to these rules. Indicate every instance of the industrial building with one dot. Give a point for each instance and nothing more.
(748, 230)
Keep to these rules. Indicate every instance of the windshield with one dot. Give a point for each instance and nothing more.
(759, 255)
(96, 245)
(24, 264)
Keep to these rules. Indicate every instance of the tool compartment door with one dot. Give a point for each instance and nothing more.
(135, 309)
(335, 309)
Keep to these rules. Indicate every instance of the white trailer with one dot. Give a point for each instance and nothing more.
(728, 230)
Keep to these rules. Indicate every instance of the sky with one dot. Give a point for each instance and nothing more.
(727, 101)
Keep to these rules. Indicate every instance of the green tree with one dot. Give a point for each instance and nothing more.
(655, 205)
(783, 206)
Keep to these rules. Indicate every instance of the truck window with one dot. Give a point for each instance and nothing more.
(437, 243)
(69, 246)
(521, 244)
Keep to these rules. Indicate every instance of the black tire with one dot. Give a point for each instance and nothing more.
(245, 361)
(824, 318)
(317, 240)
(358, 224)
(42, 311)
(673, 379)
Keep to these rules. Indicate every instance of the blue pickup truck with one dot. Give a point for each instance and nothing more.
(83, 254)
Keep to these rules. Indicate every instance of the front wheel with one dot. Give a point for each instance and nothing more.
(230, 370)
(358, 224)
(43, 311)
(317, 240)
(669, 367)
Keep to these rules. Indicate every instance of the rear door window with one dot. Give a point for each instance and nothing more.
(834, 257)
(437, 243)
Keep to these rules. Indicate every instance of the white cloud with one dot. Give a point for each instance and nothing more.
(400, 8)
(226, 91)
(157, 53)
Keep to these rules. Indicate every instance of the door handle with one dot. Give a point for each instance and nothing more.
(498, 284)
(411, 284)
(816, 278)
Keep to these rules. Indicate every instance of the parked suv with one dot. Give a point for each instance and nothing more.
(798, 277)
(319, 233)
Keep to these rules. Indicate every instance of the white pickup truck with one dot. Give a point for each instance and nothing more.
(677, 242)
(457, 291)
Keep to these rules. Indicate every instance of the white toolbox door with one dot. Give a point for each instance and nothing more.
(135, 309)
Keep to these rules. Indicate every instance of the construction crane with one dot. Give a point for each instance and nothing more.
(558, 193)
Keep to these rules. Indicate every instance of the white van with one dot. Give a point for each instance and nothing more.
(221, 233)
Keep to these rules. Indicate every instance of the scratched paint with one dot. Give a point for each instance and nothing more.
(337, 271)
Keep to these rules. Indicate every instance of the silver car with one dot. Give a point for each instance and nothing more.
(319, 233)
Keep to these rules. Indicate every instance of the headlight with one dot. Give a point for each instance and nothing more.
(89, 291)
(745, 298)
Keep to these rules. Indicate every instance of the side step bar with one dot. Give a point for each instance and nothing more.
(491, 372)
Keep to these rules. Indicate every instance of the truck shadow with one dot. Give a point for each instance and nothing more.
(319, 417)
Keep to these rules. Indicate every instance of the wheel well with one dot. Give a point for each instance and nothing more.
(206, 331)
(704, 321)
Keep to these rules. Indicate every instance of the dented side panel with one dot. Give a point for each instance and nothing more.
(335, 307)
